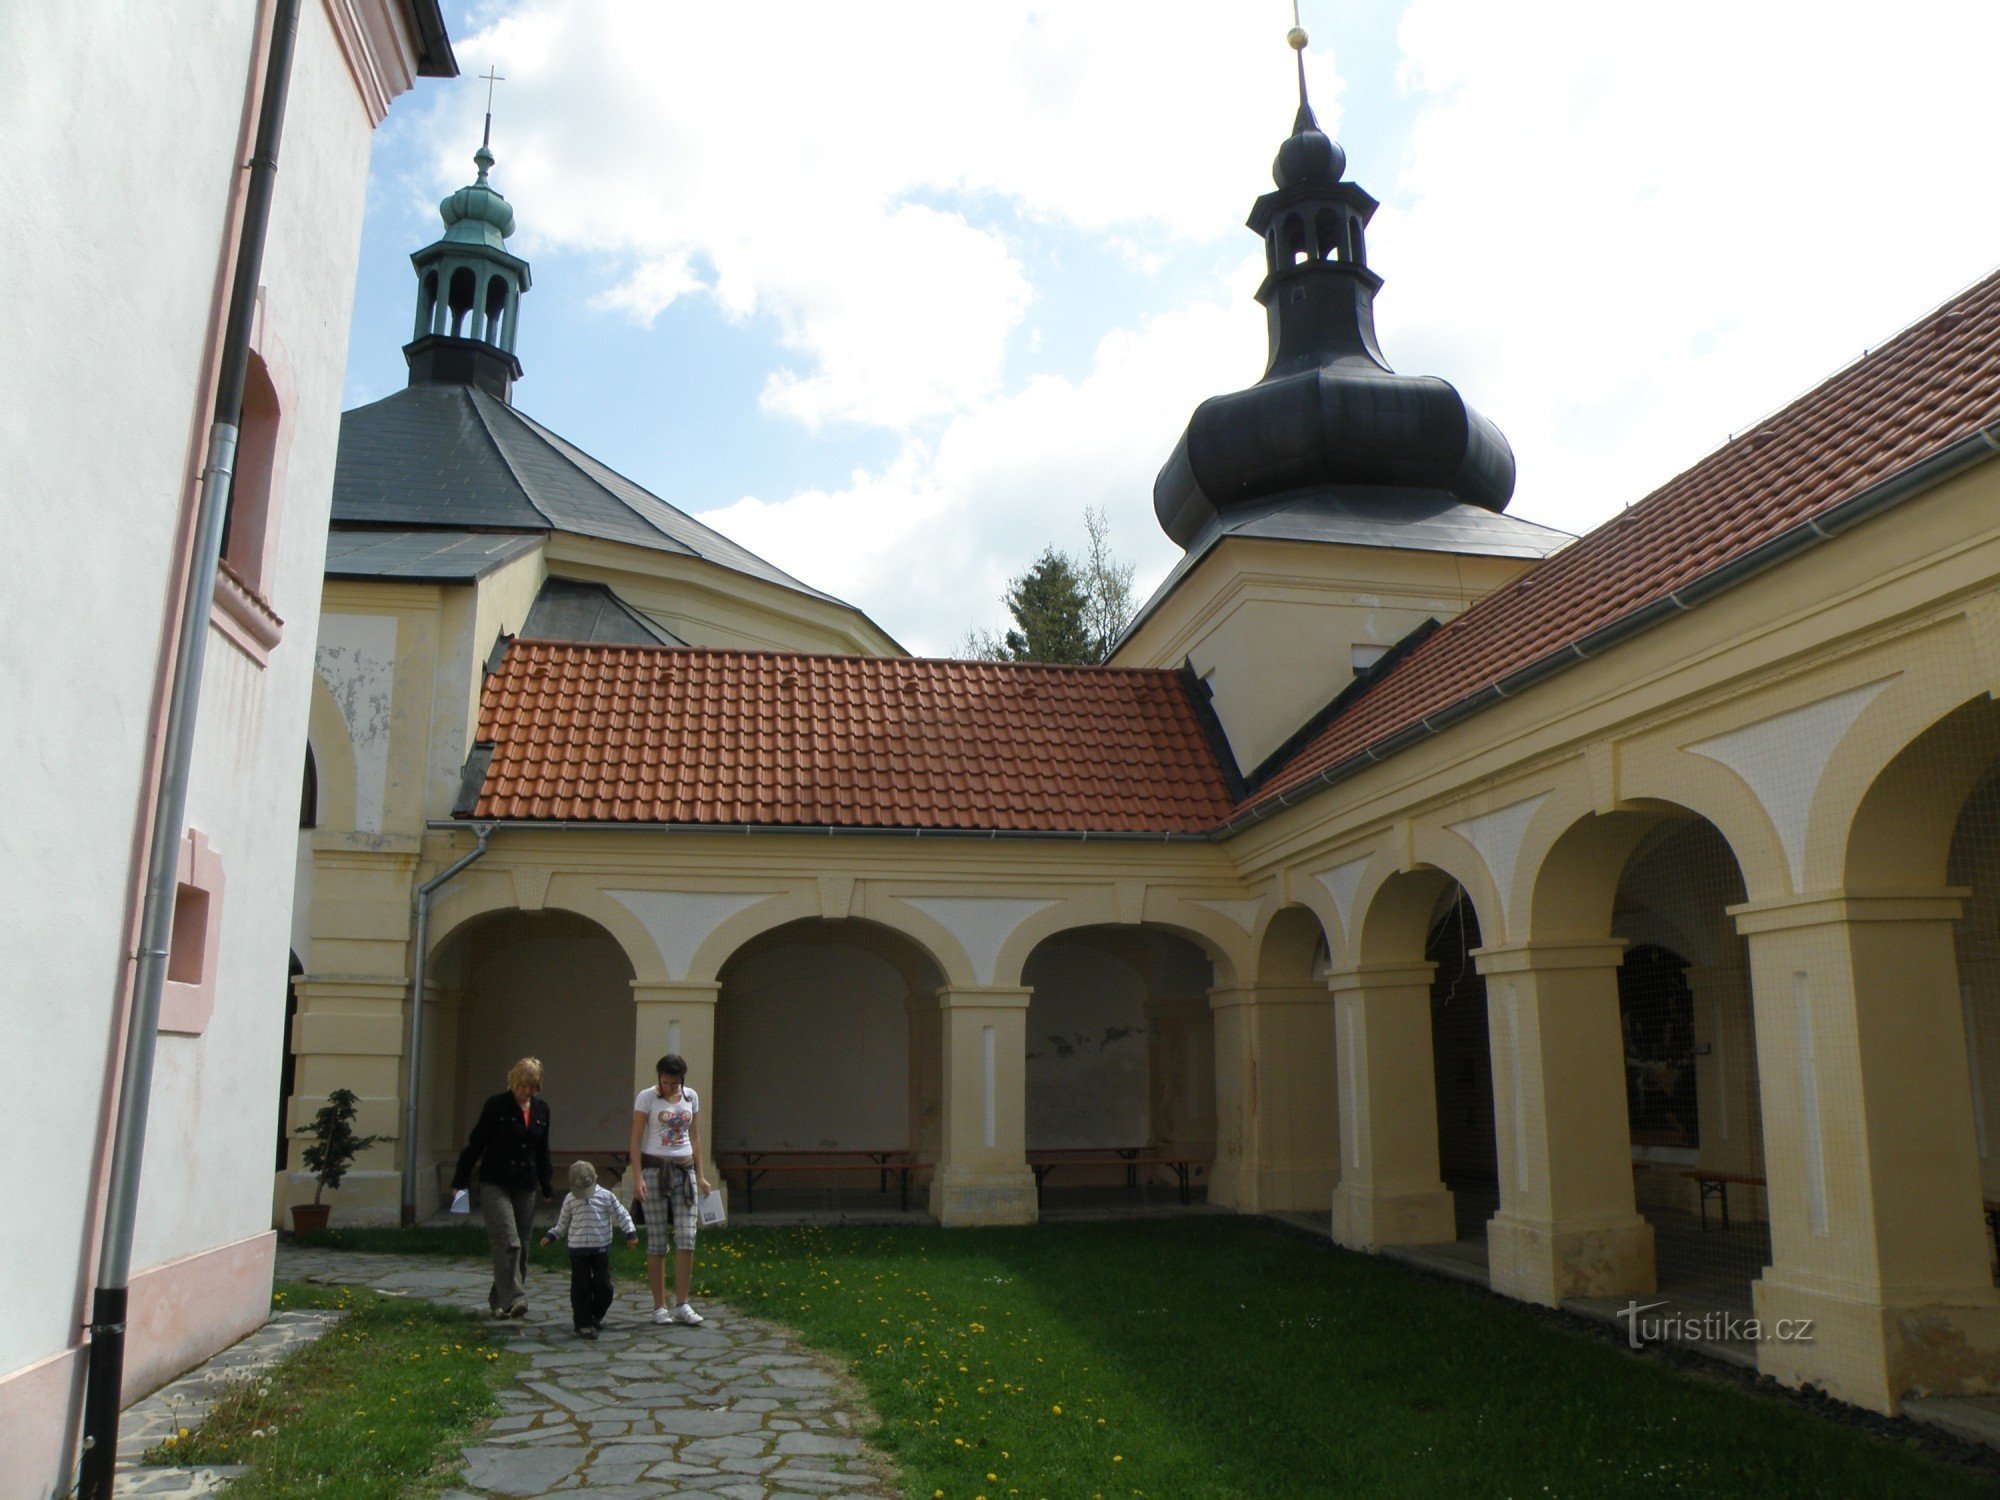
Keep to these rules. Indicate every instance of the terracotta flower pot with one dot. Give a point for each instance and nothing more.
(310, 1218)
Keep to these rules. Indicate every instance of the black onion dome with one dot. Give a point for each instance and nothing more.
(1329, 420)
(1309, 155)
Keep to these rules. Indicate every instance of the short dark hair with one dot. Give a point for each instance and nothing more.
(673, 1065)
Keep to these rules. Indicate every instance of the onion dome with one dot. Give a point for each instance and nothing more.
(1330, 422)
(477, 214)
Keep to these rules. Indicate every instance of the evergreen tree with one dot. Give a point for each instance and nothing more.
(1049, 608)
(1064, 610)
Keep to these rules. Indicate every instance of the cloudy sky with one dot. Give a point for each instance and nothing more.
(891, 291)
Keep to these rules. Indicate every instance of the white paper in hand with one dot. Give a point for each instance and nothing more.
(461, 1202)
(710, 1208)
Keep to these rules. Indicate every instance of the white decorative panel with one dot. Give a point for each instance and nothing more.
(981, 924)
(1497, 836)
(1342, 883)
(1782, 759)
(679, 922)
(357, 662)
(1242, 913)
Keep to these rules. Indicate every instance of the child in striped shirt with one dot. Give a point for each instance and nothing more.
(586, 1221)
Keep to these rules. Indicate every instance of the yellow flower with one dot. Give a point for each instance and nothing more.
(1056, 1409)
(1118, 1458)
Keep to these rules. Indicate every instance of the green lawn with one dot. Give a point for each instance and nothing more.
(1218, 1357)
(379, 1406)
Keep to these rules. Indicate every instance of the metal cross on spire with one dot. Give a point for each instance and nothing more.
(493, 75)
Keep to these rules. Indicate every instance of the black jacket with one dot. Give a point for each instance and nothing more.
(509, 1154)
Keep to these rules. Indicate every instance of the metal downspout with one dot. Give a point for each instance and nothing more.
(418, 965)
(106, 1359)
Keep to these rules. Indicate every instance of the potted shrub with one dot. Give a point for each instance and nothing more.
(334, 1147)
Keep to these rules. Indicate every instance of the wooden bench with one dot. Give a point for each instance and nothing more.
(753, 1165)
(562, 1156)
(1131, 1158)
(1716, 1185)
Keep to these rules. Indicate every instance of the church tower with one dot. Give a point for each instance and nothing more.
(469, 292)
(1333, 507)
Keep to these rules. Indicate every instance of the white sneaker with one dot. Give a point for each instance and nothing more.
(685, 1313)
(663, 1315)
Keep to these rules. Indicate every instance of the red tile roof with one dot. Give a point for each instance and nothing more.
(689, 735)
(1931, 385)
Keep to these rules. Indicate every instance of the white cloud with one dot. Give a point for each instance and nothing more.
(854, 171)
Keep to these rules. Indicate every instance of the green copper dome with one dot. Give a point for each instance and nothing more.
(477, 214)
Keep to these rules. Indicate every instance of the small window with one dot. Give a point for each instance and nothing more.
(309, 793)
(246, 526)
(187, 953)
(187, 1000)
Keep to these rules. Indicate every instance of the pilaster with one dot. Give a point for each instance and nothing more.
(1567, 1225)
(1389, 1191)
(1877, 1230)
(982, 1173)
(1277, 1116)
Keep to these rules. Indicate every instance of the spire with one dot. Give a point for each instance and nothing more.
(1329, 418)
(469, 287)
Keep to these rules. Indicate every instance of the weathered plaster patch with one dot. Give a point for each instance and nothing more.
(679, 922)
(357, 662)
(1497, 836)
(981, 924)
(1781, 760)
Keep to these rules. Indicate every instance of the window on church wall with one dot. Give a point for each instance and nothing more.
(309, 793)
(246, 524)
(1656, 1014)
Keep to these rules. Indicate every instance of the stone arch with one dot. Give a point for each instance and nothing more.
(1898, 835)
(763, 911)
(1653, 774)
(1397, 909)
(1294, 946)
(1225, 942)
(818, 998)
(509, 982)
(332, 750)
(489, 887)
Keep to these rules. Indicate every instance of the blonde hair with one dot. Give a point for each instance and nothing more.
(582, 1179)
(527, 1070)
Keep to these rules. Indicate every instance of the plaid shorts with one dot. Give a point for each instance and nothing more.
(670, 1208)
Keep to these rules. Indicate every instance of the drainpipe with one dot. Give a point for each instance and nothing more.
(106, 1360)
(417, 968)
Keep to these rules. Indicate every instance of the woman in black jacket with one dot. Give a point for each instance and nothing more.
(510, 1146)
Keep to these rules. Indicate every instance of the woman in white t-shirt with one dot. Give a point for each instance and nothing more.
(666, 1142)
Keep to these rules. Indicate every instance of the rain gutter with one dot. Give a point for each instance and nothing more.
(421, 962)
(1974, 448)
(105, 1370)
(826, 830)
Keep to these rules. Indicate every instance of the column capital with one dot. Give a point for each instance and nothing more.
(1381, 976)
(647, 992)
(984, 997)
(1561, 953)
(1839, 908)
(1269, 994)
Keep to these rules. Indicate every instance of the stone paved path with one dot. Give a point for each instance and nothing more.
(732, 1410)
(188, 1400)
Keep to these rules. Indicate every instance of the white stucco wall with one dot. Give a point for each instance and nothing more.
(123, 129)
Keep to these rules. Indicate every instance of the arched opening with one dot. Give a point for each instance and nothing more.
(463, 294)
(547, 984)
(1326, 229)
(828, 1044)
(1292, 243)
(1974, 866)
(427, 309)
(1462, 1063)
(1693, 1104)
(496, 304)
(288, 1065)
(309, 794)
(1120, 1060)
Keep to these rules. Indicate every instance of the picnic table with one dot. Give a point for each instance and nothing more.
(1714, 1184)
(761, 1162)
(1131, 1158)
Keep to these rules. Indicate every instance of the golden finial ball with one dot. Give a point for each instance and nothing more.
(1298, 38)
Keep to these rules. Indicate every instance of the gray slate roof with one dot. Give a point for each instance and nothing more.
(569, 609)
(1366, 516)
(454, 456)
(422, 556)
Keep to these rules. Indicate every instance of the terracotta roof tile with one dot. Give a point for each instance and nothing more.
(1931, 385)
(684, 735)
